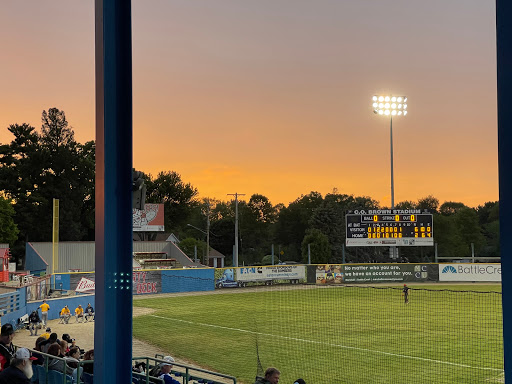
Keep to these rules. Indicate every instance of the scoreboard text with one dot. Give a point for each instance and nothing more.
(389, 227)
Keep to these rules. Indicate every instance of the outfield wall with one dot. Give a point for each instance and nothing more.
(151, 281)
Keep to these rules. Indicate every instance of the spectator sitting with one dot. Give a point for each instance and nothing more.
(79, 313)
(65, 336)
(139, 367)
(38, 356)
(165, 371)
(271, 377)
(20, 371)
(65, 314)
(74, 356)
(89, 312)
(64, 349)
(73, 345)
(51, 340)
(46, 334)
(58, 364)
(33, 323)
(89, 355)
(6, 346)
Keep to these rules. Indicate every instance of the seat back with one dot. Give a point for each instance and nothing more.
(56, 377)
(87, 378)
(41, 374)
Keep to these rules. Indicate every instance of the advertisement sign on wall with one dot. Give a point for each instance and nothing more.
(150, 219)
(374, 273)
(469, 272)
(272, 274)
(143, 282)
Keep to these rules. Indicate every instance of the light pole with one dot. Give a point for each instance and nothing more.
(387, 105)
(235, 252)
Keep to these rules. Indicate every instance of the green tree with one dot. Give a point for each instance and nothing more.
(293, 222)
(320, 248)
(429, 202)
(189, 246)
(469, 229)
(8, 229)
(36, 168)
(451, 208)
(179, 198)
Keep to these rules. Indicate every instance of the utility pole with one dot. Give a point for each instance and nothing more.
(235, 256)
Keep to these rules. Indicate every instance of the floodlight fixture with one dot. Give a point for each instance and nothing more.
(390, 106)
(387, 104)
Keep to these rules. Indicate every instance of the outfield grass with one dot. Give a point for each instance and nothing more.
(336, 335)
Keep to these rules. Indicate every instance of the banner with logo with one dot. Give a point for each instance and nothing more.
(469, 272)
(150, 219)
(372, 273)
(85, 286)
(274, 272)
(143, 282)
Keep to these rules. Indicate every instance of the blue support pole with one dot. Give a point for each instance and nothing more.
(504, 69)
(113, 321)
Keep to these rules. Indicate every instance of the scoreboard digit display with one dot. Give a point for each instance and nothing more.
(389, 227)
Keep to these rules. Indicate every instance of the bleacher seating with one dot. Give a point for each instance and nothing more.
(56, 377)
(87, 378)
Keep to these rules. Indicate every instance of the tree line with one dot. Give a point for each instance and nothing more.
(38, 166)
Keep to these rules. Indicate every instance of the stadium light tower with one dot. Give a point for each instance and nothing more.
(389, 106)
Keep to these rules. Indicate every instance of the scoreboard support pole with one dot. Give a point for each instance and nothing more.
(504, 84)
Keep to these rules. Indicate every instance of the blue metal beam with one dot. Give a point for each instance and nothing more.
(504, 69)
(113, 321)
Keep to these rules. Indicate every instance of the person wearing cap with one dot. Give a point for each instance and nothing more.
(20, 371)
(405, 294)
(33, 323)
(79, 313)
(165, 371)
(6, 347)
(47, 333)
(89, 312)
(299, 381)
(271, 376)
(65, 315)
(44, 312)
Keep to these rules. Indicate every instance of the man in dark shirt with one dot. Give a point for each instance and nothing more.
(405, 294)
(33, 323)
(20, 371)
(6, 347)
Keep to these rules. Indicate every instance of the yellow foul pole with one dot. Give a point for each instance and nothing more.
(55, 236)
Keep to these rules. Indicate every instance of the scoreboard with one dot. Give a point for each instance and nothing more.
(389, 227)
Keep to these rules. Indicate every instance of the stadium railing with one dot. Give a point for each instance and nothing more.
(190, 374)
(44, 375)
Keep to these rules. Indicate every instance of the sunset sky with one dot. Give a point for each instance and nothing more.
(274, 96)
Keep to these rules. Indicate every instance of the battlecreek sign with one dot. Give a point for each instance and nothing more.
(469, 272)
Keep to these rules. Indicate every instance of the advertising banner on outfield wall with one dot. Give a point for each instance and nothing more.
(271, 274)
(372, 273)
(143, 282)
(469, 272)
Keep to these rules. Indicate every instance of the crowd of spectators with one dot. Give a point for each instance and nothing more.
(65, 356)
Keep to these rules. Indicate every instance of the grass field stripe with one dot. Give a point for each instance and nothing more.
(332, 345)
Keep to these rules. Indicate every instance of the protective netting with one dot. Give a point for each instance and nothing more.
(333, 334)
